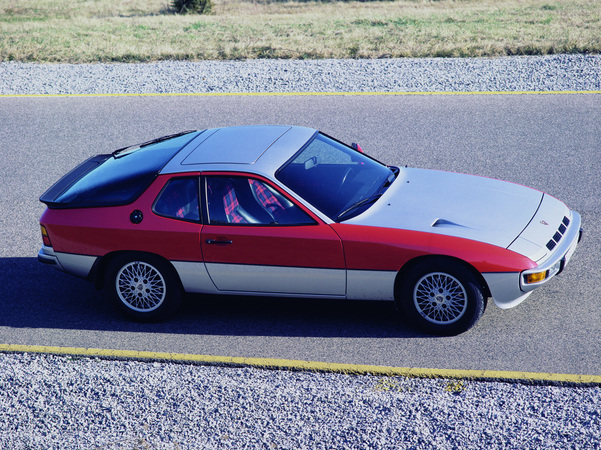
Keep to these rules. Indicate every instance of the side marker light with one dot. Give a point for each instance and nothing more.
(536, 277)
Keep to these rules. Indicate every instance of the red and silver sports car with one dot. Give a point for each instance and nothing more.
(289, 211)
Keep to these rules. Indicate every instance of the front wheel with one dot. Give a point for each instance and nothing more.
(144, 287)
(442, 297)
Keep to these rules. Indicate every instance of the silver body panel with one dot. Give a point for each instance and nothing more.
(541, 229)
(263, 156)
(505, 289)
(370, 284)
(260, 280)
(278, 280)
(465, 206)
(194, 277)
(286, 281)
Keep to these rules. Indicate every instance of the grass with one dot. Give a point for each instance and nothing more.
(82, 31)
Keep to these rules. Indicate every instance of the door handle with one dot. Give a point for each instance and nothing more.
(216, 242)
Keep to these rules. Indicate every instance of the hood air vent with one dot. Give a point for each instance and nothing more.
(559, 234)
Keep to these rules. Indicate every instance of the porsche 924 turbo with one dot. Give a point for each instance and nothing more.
(289, 211)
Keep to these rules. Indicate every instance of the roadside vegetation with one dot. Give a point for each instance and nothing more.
(81, 31)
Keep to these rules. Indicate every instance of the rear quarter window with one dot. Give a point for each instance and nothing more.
(179, 200)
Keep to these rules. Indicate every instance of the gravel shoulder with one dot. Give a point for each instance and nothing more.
(50, 401)
(545, 73)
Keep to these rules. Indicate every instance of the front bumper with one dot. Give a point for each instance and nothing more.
(509, 289)
(560, 257)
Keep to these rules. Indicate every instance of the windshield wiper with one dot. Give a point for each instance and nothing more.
(354, 206)
(153, 141)
(372, 198)
(395, 173)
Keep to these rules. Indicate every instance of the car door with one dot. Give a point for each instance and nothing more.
(257, 240)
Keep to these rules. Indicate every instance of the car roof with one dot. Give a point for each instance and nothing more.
(260, 149)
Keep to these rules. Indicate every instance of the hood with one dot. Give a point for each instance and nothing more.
(466, 206)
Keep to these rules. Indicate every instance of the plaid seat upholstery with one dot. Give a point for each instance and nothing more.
(266, 198)
(230, 204)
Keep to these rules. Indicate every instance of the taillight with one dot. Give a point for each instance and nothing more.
(45, 237)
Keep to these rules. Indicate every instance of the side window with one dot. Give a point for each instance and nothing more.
(179, 200)
(240, 200)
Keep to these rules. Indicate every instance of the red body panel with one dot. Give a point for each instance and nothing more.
(378, 248)
(294, 246)
(103, 230)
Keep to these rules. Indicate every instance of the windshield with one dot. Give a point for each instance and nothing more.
(337, 180)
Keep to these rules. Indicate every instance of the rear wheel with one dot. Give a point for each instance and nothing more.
(441, 296)
(144, 287)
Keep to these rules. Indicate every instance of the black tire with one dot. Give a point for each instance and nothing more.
(441, 297)
(144, 287)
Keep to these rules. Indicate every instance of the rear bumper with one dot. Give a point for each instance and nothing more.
(47, 256)
(78, 265)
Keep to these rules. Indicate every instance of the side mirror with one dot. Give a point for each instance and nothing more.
(356, 147)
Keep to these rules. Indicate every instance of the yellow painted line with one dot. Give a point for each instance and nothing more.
(296, 94)
(357, 369)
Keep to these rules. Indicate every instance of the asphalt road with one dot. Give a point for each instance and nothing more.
(549, 142)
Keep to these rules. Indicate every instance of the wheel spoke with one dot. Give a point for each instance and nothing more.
(140, 286)
(440, 298)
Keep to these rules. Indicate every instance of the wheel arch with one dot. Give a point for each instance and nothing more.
(441, 259)
(102, 264)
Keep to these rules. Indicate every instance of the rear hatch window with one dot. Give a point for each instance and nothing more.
(115, 179)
